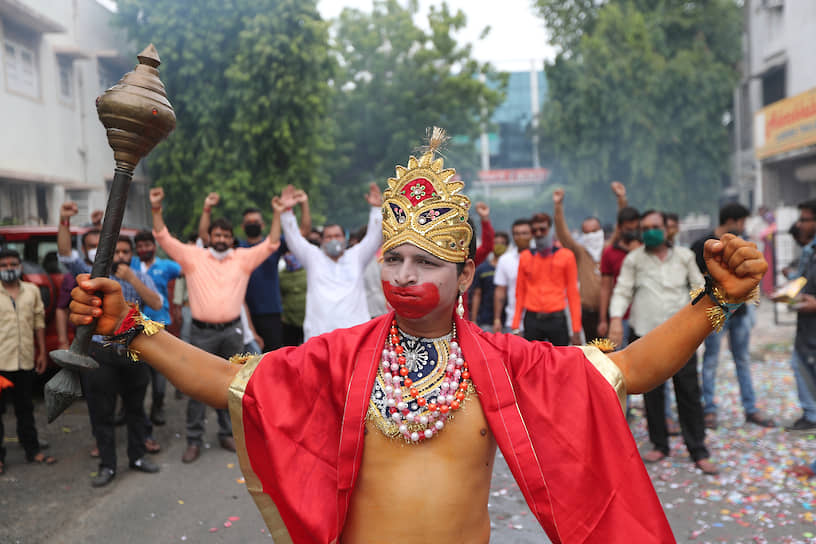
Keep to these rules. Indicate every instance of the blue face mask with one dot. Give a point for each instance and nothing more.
(653, 237)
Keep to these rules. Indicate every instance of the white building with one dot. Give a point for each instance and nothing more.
(775, 105)
(775, 113)
(56, 57)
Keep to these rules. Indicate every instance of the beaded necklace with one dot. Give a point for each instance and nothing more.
(405, 403)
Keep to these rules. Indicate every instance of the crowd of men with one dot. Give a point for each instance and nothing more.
(542, 280)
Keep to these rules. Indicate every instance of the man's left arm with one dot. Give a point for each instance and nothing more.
(39, 333)
(736, 266)
(143, 284)
(488, 234)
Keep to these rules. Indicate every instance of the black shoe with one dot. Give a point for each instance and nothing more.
(103, 477)
(801, 424)
(757, 418)
(157, 416)
(145, 465)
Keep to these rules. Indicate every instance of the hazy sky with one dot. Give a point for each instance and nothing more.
(516, 38)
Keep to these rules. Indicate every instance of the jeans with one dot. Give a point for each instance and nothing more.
(805, 385)
(738, 329)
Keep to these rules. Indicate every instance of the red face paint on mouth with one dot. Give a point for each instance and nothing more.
(412, 302)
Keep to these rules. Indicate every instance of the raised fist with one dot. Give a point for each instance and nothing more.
(96, 217)
(558, 196)
(618, 188)
(156, 197)
(483, 210)
(374, 196)
(212, 200)
(68, 209)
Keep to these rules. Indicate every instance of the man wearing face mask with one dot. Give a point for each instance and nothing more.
(587, 249)
(481, 306)
(625, 239)
(162, 272)
(335, 291)
(217, 279)
(263, 293)
(656, 280)
(22, 323)
(117, 374)
(547, 279)
(738, 329)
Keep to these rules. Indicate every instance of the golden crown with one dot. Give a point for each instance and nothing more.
(422, 207)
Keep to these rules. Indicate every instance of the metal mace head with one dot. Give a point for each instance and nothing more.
(136, 111)
(137, 116)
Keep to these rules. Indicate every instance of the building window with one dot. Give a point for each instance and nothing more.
(22, 74)
(66, 80)
(107, 79)
(773, 85)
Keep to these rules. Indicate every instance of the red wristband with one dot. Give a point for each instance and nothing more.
(65, 222)
(207, 209)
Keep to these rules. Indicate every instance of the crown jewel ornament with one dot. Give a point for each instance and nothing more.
(423, 206)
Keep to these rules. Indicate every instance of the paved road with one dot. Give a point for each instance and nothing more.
(753, 500)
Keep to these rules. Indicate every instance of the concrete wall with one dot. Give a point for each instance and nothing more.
(59, 144)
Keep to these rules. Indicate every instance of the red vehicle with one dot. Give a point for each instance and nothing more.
(37, 245)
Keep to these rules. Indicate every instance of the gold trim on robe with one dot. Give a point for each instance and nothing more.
(268, 510)
(608, 370)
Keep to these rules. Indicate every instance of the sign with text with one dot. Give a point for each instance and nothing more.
(786, 125)
(514, 175)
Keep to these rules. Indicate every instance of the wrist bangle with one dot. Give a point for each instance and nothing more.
(65, 222)
(207, 209)
(156, 208)
(723, 307)
(134, 324)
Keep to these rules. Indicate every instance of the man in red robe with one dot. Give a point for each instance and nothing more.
(387, 431)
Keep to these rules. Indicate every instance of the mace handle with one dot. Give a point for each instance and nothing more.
(105, 252)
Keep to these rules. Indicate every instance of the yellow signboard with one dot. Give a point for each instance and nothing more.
(786, 125)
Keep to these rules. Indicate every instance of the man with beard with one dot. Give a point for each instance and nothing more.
(803, 359)
(349, 437)
(217, 279)
(162, 272)
(117, 373)
(335, 275)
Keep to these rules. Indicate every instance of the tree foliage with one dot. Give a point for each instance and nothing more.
(394, 80)
(249, 81)
(638, 93)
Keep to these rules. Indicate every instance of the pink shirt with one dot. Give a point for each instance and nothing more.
(216, 288)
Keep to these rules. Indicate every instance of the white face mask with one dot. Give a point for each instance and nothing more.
(594, 243)
(92, 254)
(220, 255)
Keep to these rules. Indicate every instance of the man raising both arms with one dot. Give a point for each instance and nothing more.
(339, 435)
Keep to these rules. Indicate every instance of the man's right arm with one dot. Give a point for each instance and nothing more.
(67, 210)
(607, 284)
(206, 216)
(622, 298)
(173, 247)
(521, 292)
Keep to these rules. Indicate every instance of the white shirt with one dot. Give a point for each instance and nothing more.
(505, 276)
(656, 289)
(335, 292)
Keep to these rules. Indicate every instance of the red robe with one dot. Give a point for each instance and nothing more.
(299, 415)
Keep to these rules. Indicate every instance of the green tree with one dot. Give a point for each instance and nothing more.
(395, 80)
(639, 93)
(249, 81)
